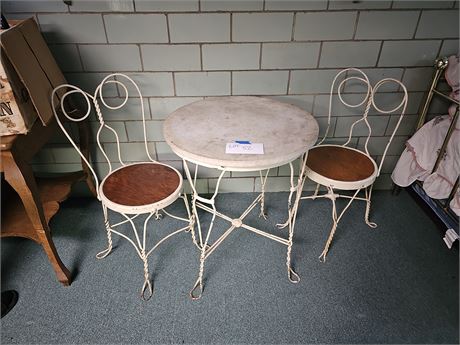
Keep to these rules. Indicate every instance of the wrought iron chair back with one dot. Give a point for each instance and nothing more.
(93, 101)
(369, 102)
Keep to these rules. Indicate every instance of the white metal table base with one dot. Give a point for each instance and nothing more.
(206, 250)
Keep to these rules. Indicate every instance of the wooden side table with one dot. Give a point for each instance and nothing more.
(28, 213)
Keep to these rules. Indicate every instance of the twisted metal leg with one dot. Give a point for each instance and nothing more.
(368, 207)
(147, 289)
(331, 195)
(197, 289)
(263, 181)
(106, 251)
(292, 217)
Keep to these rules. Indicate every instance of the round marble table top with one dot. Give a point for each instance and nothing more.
(198, 132)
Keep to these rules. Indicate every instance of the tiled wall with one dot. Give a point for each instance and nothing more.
(182, 51)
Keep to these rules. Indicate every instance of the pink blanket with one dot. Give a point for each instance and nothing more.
(418, 159)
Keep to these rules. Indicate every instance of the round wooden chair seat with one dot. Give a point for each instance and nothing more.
(340, 167)
(141, 187)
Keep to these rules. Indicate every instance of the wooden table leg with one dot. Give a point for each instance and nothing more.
(20, 176)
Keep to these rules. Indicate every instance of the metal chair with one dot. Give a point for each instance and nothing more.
(341, 167)
(133, 189)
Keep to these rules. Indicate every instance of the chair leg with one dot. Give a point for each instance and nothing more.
(335, 219)
(106, 251)
(368, 207)
(292, 275)
(197, 289)
(331, 196)
(147, 287)
(263, 181)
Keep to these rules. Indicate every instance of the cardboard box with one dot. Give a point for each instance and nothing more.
(29, 74)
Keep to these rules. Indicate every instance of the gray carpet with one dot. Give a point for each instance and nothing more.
(394, 284)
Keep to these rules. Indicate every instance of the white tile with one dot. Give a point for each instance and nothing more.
(233, 185)
(130, 111)
(374, 75)
(150, 84)
(409, 53)
(390, 100)
(136, 28)
(289, 55)
(449, 47)
(388, 164)
(154, 130)
(386, 24)
(406, 127)
(377, 145)
(232, 5)
(274, 184)
(415, 99)
(418, 79)
(166, 5)
(202, 83)
(209, 27)
(285, 170)
(312, 81)
(422, 4)
(377, 123)
(438, 24)
(324, 26)
(72, 28)
(33, 6)
(349, 54)
(321, 106)
(164, 152)
(130, 152)
(289, 5)
(201, 187)
(89, 81)
(358, 5)
(162, 107)
(101, 6)
(260, 82)
(66, 56)
(302, 101)
(262, 27)
(204, 172)
(110, 58)
(163, 57)
(322, 123)
(341, 141)
(230, 56)
(273, 172)
(107, 135)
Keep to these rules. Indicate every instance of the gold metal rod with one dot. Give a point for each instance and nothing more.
(439, 93)
(446, 141)
(440, 64)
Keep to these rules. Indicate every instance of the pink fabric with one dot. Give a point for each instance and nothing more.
(452, 75)
(417, 161)
(455, 202)
(422, 150)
